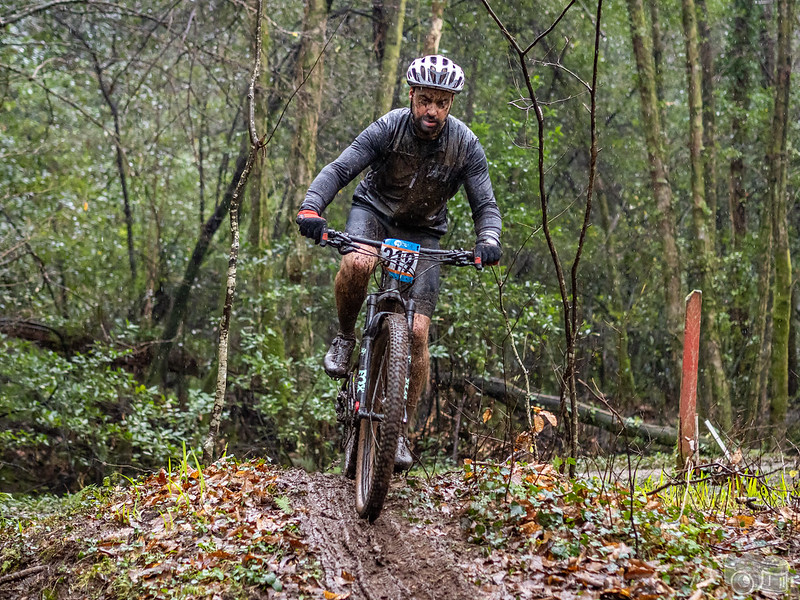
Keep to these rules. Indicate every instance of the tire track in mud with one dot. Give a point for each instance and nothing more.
(390, 559)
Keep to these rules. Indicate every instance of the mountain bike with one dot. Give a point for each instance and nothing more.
(371, 406)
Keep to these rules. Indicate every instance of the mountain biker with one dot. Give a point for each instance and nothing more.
(419, 157)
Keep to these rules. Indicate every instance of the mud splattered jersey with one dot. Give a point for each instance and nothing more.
(410, 179)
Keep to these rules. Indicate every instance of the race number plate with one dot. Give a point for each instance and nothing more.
(400, 258)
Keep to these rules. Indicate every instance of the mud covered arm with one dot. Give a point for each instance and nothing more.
(364, 150)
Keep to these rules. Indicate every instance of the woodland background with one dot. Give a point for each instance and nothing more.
(123, 132)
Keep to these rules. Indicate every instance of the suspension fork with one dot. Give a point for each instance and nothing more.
(365, 355)
(411, 310)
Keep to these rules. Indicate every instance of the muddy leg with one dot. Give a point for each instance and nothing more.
(350, 286)
(420, 362)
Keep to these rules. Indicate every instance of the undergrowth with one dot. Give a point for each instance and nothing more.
(676, 533)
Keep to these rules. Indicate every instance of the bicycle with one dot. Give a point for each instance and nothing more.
(372, 402)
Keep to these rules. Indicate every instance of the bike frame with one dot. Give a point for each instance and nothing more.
(387, 313)
(379, 304)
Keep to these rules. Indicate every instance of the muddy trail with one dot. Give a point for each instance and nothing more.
(391, 558)
(248, 531)
(252, 531)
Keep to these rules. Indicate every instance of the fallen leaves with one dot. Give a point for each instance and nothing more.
(204, 527)
(542, 535)
(638, 569)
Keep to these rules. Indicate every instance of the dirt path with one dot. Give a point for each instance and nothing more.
(256, 531)
(389, 559)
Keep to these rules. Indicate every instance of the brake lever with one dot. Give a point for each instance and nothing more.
(347, 248)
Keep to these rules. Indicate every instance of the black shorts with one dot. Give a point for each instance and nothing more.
(424, 290)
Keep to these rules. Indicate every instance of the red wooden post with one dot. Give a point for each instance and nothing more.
(688, 409)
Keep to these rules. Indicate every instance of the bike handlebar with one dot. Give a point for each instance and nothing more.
(346, 243)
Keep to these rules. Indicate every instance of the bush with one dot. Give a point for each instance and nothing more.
(69, 421)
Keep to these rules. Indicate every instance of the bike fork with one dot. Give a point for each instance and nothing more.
(411, 310)
(365, 355)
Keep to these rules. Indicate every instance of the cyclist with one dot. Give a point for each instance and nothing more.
(419, 158)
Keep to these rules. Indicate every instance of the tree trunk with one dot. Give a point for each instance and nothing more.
(262, 211)
(177, 314)
(794, 371)
(716, 400)
(308, 102)
(303, 160)
(709, 120)
(393, 14)
(258, 233)
(741, 51)
(625, 384)
(155, 265)
(782, 287)
(435, 32)
(662, 190)
(762, 328)
(303, 153)
(225, 322)
(767, 43)
(588, 414)
(658, 50)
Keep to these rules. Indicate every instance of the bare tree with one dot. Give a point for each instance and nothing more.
(778, 161)
(434, 35)
(230, 285)
(659, 181)
(570, 298)
(716, 392)
(391, 15)
(256, 145)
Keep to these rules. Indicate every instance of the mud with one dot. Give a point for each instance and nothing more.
(391, 559)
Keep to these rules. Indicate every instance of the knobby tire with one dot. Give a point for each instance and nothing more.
(377, 440)
(350, 448)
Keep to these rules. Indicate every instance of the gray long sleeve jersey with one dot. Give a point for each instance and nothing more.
(412, 179)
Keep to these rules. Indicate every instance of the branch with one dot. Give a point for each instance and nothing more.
(549, 29)
(32, 10)
(64, 99)
(22, 574)
(266, 141)
(592, 169)
(251, 94)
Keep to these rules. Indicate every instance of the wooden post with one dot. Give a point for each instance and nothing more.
(687, 445)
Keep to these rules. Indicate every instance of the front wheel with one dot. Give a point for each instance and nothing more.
(386, 396)
(350, 448)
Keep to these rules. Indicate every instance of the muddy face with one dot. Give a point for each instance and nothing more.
(429, 108)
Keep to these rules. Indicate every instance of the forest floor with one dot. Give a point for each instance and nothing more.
(485, 531)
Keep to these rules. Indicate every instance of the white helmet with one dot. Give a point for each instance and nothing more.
(436, 71)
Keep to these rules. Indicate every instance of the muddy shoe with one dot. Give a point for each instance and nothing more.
(338, 357)
(402, 458)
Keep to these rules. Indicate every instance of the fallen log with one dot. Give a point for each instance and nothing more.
(68, 342)
(21, 574)
(587, 413)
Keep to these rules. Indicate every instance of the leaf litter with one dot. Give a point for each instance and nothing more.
(497, 531)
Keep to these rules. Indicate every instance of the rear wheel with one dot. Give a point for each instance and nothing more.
(377, 439)
(345, 415)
